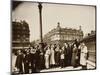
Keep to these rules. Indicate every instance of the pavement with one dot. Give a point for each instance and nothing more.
(90, 65)
(69, 68)
(61, 69)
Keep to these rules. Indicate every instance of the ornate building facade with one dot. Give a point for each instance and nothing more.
(61, 35)
(20, 35)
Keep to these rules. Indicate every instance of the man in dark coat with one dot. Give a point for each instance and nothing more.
(27, 61)
(66, 54)
(41, 56)
(19, 61)
(37, 57)
(33, 59)
(69, 55)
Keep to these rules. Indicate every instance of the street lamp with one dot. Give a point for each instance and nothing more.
(41, 65)
(40, 17)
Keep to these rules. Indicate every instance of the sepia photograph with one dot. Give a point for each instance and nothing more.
(52, 37)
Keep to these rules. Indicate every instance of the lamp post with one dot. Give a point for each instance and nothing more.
(41, 64)
(40, 17)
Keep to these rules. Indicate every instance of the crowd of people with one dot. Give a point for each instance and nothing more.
(36, 58)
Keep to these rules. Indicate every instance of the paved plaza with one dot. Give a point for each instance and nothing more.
(90, 65)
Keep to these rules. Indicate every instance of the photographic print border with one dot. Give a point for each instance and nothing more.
(60, 4)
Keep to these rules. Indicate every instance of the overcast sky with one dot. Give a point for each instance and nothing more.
(71, 16)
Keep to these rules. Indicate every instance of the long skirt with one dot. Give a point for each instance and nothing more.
(47, 61)
(52, 59)
(73, 59)
(57, 58)
(83, 59)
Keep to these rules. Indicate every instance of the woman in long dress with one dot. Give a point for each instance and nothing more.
(83, 56)
(47, 56)
(74, 55)
(52, 58)
(57, 55)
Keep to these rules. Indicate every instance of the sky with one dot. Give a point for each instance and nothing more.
(70, 16)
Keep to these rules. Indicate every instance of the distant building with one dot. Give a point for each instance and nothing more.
(20, 35)
(61, 35)
(90, 42)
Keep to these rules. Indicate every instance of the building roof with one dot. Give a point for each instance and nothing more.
(66, 30)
